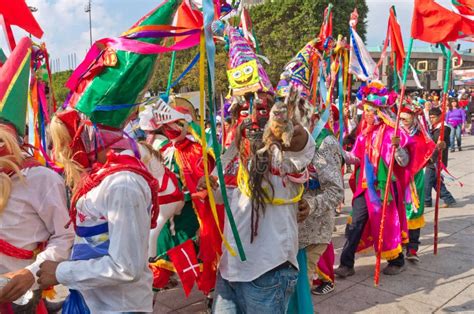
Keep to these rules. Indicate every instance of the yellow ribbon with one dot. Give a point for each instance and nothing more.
(243, 179)
(210, 193)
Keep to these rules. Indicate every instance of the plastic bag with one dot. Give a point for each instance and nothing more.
(75, 304)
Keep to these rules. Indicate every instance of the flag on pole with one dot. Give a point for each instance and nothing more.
(396, 40)
(361, 63)
(433, 23)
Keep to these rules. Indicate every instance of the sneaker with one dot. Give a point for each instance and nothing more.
(344, 271)
(392, 270)
(412, 256)
(325, 288)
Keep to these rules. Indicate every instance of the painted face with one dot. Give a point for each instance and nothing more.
(244, 75)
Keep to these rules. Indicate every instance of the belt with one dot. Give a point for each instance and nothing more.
(285, 265)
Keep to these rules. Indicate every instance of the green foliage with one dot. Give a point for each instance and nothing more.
(282, 28)
(60, 91)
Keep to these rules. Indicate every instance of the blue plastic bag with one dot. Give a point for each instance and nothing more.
(75, 304)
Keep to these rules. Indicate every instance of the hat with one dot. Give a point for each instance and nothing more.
(245, 72)
(14, 86)
(377, 95)
(109, 81)
(158, 113)
(299, 68)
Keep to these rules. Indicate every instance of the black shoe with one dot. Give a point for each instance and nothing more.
(412, 256)
(344, 271)
(452, 150)
(428, 205)
(324, 288)
(392, 270)
(459, 149)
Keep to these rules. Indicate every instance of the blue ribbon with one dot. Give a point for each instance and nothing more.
(208, 9)
(321, 123)
(188, 68)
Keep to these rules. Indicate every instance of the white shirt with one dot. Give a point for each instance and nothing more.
(36, 212)
(120, 281)
(277, 239)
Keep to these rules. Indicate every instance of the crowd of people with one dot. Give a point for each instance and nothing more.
(116, 215)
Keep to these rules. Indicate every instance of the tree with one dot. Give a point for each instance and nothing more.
(284, 27)
(60, 91)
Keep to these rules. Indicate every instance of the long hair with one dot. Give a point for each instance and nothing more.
(258, 166)
(10, 164)
(64, 154)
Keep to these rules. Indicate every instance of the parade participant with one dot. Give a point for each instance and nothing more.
(33, 208)
(108, 269)
(109, 261)
(430, 173)
(371, 154)
(265, 203)
(182, 153)
(420, 143)
(324, 194)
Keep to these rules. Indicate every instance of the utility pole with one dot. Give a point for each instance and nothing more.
(87, 9)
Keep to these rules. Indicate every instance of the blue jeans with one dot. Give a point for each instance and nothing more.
(430, 184)
(269, 293)
(455, 132)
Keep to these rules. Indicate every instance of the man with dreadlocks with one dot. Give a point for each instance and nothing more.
(33, 208)
(265, 202)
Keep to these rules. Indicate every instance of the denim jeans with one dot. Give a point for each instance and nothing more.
(455, 132)
(360, 215)
(269, 293)
(430, 184)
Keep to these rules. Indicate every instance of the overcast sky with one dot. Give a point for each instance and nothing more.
(66, 25)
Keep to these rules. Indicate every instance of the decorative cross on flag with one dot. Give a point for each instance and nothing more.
(185, 262)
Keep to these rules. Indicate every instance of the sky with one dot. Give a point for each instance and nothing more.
(66, 24)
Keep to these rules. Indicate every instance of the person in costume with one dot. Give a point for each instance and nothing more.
(33, 208)
(430, 173)
(412, 124)
(180, 147)
(108, 267)
(324, 193)
(371, 154)
(265, 202)
(108, 270)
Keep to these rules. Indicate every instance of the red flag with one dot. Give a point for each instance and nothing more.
(396, 40)
(326, 27)
(433, 23)
(465, 7)
(16, 12)
(186, 264)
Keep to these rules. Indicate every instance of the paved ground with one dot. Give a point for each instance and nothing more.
(441, 283)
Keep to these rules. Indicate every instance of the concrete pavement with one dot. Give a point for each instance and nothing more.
(441, 283)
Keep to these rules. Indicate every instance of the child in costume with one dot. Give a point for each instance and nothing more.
(33, 208)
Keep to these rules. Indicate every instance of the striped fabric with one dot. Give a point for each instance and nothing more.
(92, 239)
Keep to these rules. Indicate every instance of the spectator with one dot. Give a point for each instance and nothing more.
(456, 119)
